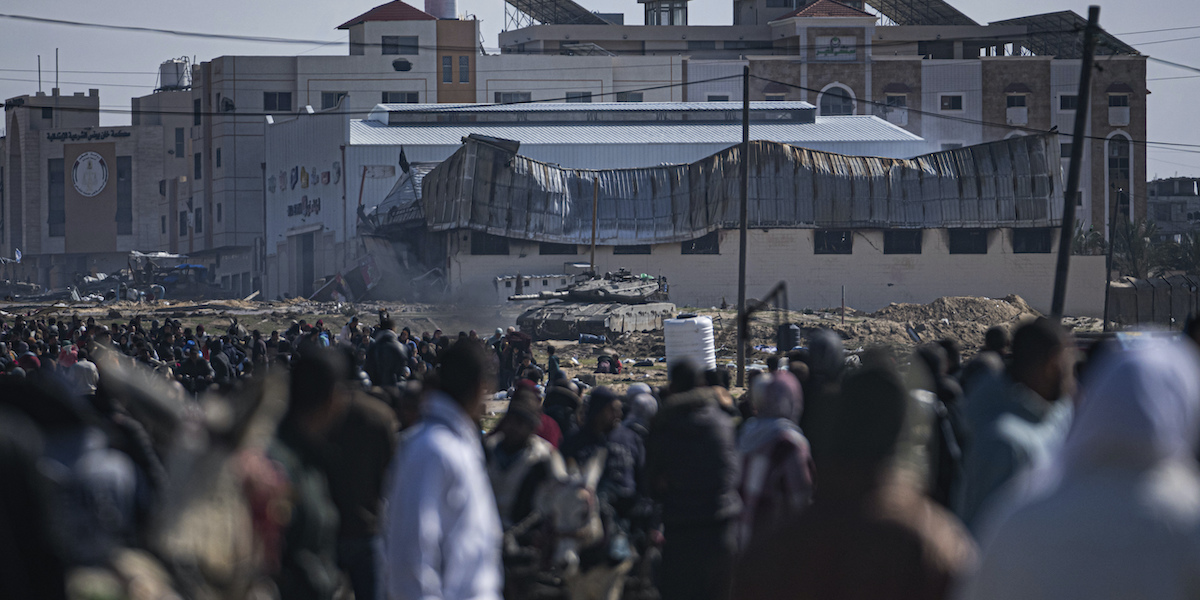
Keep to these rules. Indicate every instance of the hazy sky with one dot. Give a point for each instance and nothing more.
(124, 65)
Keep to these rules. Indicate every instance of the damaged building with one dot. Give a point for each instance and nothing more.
(980, 220)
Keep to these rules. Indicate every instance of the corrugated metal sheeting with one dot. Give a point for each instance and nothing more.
(485, 187)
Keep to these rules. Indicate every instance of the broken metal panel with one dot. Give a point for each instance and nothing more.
(485, 186)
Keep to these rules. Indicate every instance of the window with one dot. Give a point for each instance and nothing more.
(1016, 101)
(217, 157)
(196, 111)
(447, 69)
(552, 248)
(694, 45)
(902, 241)
(1068, 102)
(749, 45)
(1118, 100)
(968, 241)
(836, 101)
(718, 98)
(775, 97)
(179, 146)
(400, 44)
(47, 112)
(953, 102)
(56, 190)
(198, 171)
(513, 97)
(400, 98)
(1118, 159)
(666, 12)
(1035, 240)
(124, 195)
(199, 220)
(486, 244)
(464, 69)
(183, 222)
(331, 99)
(629, 96)
(163, 224)
(706, 244)
(277, 101)
(896, 100)
(635, 249)
(833, 241)
(218, 212)
(580, 97)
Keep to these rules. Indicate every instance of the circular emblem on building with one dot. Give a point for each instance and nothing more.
(90, 174)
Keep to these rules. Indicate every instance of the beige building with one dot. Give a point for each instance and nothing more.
(77, 196)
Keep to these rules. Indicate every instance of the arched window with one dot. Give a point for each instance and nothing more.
(835, 101)
(1119, 174)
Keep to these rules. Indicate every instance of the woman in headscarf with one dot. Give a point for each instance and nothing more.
(1118, 514)
(777, 467)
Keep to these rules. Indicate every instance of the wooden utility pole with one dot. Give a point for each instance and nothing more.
(1077, 144)
(742, 324)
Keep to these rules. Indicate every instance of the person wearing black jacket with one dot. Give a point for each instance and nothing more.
(692, 470)
(387, 357)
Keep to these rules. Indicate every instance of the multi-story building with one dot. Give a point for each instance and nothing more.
(920, 64)
(1174, 205)
(77, 197)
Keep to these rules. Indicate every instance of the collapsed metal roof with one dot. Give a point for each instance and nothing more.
(485, 186)
(1060, 34)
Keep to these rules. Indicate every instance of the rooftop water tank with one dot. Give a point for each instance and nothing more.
(442, 9)
(172, 74)
(690, 338)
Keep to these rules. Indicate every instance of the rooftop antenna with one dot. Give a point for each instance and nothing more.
(39, 73)
(56, 68)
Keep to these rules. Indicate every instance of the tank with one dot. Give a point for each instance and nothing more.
(608, 306)
(442, 9)
(690, 338)
(172, 74)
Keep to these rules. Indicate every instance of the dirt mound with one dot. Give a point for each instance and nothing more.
(958, 308)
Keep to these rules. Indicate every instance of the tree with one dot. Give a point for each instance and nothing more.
(1134, 254)
(1087, 243)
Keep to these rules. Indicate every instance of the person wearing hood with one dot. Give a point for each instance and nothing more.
(870, 532)
(386, 357)
(825, 364)
(692, 470)
(1117, 514)
(777, 468)
(562, 404)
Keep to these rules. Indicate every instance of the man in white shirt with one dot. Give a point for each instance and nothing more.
(443, 535)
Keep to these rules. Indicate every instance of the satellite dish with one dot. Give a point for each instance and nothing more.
(401, 64)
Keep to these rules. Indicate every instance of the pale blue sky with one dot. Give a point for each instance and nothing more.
(123, 65)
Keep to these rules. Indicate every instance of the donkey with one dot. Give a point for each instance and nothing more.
(572, 512)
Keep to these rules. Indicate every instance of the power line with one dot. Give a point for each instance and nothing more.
(1174, 64)
(1182, 39)
(1159, 30)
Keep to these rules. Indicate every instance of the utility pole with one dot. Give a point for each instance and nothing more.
(742, 322)
(1112, 242)
(595, 208)
(1077, 141)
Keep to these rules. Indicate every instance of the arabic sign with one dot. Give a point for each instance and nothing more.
(304, 208)
(84, 134)
(836, 48)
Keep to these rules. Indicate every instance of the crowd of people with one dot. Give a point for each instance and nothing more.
(147, 459)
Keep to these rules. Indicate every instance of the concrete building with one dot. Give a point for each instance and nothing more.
(77, 197)
(946, 224)
(920, 64)
(321, 170)
(1175, 205)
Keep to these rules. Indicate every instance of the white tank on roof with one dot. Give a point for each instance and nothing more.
(442, 9)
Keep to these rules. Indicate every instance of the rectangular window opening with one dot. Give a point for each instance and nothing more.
(902, 241)
(954, 102)
(629, 96)
(1033, 240)
(55, 179)
(330, 99)
(552, 248)
(399, 44)
(401, 98)
(179, 143)
(1068, 102)
(634, 249)
(833, 241)
(706, 244)
(447, 69)
(580, 97)
(513, 97)
(464, 69)
(486, 244)
(1016, 100)
(968, 241)
(277, 101)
